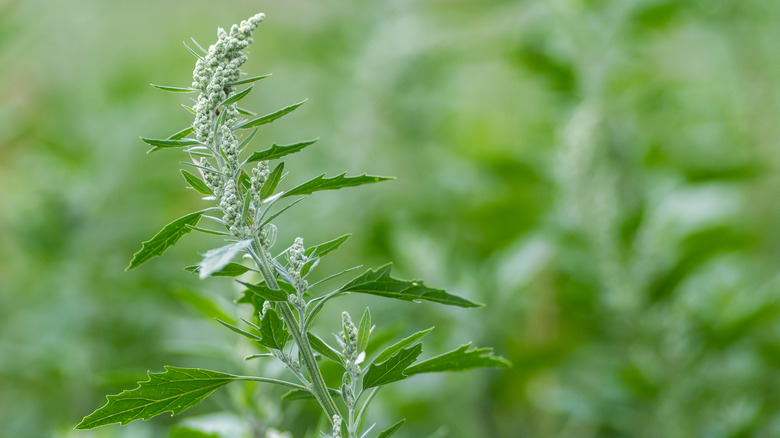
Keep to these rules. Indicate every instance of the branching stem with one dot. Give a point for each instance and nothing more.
(318, 388)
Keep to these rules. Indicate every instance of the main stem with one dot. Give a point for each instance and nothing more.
(318, 387)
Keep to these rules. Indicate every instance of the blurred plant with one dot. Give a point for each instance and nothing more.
(283, 303)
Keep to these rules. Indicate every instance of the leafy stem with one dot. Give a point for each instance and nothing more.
(246, 198)
(318, 387)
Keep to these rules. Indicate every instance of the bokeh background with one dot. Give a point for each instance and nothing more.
(602, 174)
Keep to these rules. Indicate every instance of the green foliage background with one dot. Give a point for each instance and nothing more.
(602, 174)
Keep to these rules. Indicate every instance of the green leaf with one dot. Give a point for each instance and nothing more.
(273, 180)
(324, 349)
(403, 343)
(175, 89)
(460, 359)
(300, 394)
(364, 331)
(185, 432)
(272, 329)
(198, 46)
(230, 270)
(236, 97)
(335, 183)
(246, 141)
(390, 431)
(326, 247)
(207, 231)
(203, 304)
(197, 55)
(249, 297)
(220, 122)
(391, 370)
(249, 80)
(216, 259)
(266, 293)
(173, 391)
(245, 180)
(241, 332)
(166, 238)
(275, 215)
(322, 249)
(245, 112)
(380, 283)
(181, 134)
(160, 144)
(278, 151)
(196, 183)
(268, 118)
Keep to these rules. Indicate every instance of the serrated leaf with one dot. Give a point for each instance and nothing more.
(249, 80)
(323, 348)
(337, 182)
(241, 332)
(380, 283)
(266, 293)
(391, 370)
(196, 183)
(181, 134)
(390, 431)
(173, 391)
(268, 118)
(273, 180)
(167, 237)
(175, 89)
(278, 151)
(236, 97)
(403, 343)
(460, 359)
(229, 270)
(218, 258)
(272, 329)
(364, 331)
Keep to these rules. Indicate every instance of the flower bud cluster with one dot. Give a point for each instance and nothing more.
(231, 209)
(297, 258)
(229, 145)
(259, 177)
(349, 339)
(211, 178)
(336, 426)
(268, 236)
(348, 389)
(215, 73)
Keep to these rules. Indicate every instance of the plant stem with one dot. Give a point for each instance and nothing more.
(318, 387)
(275, 381)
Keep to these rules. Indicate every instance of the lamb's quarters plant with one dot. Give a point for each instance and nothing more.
(284, 303)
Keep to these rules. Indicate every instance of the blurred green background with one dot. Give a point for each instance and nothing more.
(602, 174)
